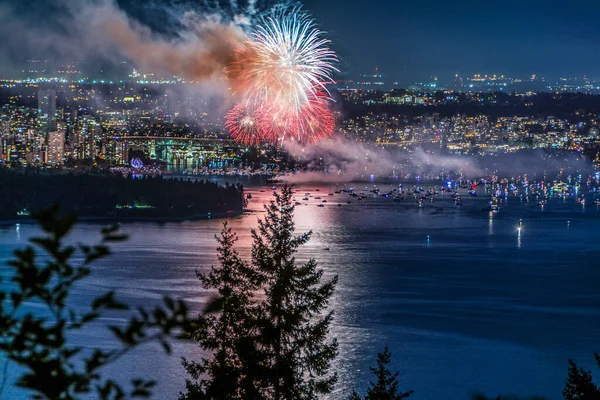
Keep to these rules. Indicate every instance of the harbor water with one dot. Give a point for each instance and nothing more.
(466, 301)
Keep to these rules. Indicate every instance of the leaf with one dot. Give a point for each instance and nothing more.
(166, 346)
(214, 305)
(16, 298)
(169, 303)
(108, 302)
(89, 317)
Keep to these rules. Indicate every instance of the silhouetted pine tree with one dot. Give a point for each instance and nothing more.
(386, 387)
(229, 334)
(579, 384)
(293, 343)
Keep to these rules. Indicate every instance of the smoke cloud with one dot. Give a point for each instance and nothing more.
(199, 53)
(340, 160)
(198, 49)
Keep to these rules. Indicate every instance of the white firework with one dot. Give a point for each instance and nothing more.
(285, 62)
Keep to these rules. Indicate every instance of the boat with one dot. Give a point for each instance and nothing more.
(491, 208)
(493, 205)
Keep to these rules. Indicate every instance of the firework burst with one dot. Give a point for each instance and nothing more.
(281, 71)
(242, 121)
(313, 122)
(285, 62)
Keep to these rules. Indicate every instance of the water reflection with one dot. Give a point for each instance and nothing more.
(439, 307)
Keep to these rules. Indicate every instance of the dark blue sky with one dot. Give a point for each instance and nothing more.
(415, 39)
(409, 40)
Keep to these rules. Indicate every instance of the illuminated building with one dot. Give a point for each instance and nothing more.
(56, 146)
(47, 110)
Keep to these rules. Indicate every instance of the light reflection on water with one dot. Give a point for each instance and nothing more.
(462, 310)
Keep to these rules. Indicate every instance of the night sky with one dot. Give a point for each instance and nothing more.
(417, 39)
(413, 40)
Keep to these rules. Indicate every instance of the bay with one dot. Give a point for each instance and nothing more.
(465, 301)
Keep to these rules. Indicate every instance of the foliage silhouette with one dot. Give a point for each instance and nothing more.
(386, 386)
(270, 340)
(292, 342)
(228, 335)
(44, 274)
(579, 385)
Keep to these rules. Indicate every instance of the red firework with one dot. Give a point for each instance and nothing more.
(315, 121)
(312, 122)
(243, 124)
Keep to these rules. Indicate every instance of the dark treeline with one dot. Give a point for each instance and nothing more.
(110, 195)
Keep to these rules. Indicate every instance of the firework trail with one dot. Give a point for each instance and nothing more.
(282, 70)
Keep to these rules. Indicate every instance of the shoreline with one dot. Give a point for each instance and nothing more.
(109, 219)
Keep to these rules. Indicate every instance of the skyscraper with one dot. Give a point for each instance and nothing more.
(56, 146)
(47, 110)
(4, 138)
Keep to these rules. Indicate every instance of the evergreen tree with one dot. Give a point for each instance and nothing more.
(229, 334)
(295, 353)
(579, 384)
(386, 387)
